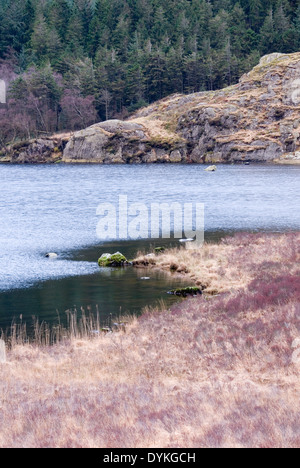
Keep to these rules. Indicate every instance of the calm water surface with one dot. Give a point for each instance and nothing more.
(53, 209)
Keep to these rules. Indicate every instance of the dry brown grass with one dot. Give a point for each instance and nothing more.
(157, 131)
(211, 372)
(231, 264)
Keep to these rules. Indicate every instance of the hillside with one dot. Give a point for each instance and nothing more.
(123, 54)
(256, 120)
(67, 64)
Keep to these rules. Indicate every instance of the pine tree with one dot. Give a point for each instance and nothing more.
(135, 79)
(39, 38)
(256, 14)
(267, 33)
(75, 40)
(137, 51)
(58, 16)
(175, 71)
(160, 25)
(156, 75)
(121, 35)
(28, 21)
(237, 29)
(285, 34)
(297, 27)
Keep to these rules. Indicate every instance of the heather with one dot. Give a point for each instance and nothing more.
(216, 370)
(234, 263)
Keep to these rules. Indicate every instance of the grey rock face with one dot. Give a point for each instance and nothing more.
(113, 141)
(36, 151)
(40, 150)
(118, 142)
(256, 120)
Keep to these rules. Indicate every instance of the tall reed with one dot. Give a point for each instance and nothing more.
(77, 324)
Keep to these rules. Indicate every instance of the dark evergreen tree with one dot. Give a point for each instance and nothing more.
(267, 33)
(122, 54)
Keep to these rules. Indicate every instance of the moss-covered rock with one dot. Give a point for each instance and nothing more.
(159, 250)
(113, 260)
(104, 260)
(118, 259)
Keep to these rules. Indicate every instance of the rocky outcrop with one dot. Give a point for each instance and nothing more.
(257, 120)
(119, 142)
(40, 150)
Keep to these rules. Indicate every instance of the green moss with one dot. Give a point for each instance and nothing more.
(104, 260)
(118, 259)
(159, 249)
(115, 260)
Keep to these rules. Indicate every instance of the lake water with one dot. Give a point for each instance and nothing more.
(53, 209)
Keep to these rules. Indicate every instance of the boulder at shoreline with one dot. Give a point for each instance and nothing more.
(113, 260)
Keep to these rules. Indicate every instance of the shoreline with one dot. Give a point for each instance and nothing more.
(188, 376)
(73, 162)
(173, 262)
(291, 162)
(185, 262)
(235, 124)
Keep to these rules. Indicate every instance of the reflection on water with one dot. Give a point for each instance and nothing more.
(113, 291)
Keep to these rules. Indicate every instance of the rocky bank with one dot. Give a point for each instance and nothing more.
(37, 151)
(257, 120)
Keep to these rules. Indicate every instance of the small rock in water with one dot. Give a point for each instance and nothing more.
(51, 255)
(145, 278)
(211, 169)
